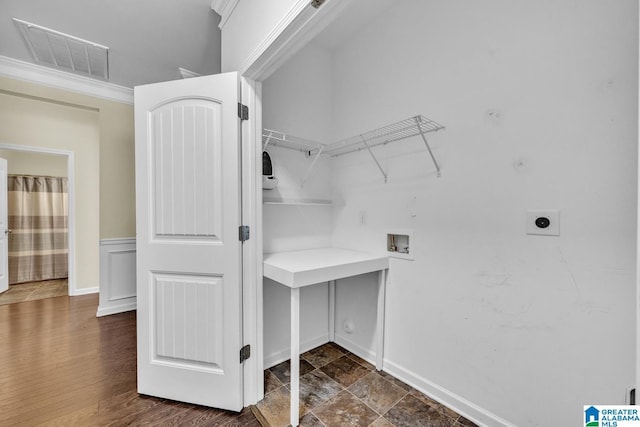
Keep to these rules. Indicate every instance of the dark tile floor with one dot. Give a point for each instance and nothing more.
(34, 290)
(339, 389)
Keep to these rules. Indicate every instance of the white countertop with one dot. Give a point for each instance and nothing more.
(306, 267)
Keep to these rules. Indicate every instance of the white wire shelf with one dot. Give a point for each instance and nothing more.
(408, 128)
(280, 139)
(397, 131)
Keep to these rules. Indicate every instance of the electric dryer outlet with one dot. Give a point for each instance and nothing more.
(543, 222)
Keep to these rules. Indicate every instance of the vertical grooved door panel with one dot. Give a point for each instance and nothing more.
(189, 316)
(187, 154)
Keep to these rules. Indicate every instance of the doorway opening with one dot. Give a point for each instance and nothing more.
(40, 202)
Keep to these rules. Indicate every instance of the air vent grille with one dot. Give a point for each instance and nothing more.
(66, 52)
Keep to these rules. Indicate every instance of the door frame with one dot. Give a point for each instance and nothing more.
(70, 202)
(637, 355)
(299, 26)
(251, 187)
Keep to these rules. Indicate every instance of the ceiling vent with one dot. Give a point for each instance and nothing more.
(65, 52)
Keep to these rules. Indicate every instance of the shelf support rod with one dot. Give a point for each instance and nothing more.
(373, 156)
(313, 163)
(424, 138)
(264, 147)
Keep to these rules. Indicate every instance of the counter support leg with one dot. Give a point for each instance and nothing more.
(332, 310)
(382, 285)
(295, 356)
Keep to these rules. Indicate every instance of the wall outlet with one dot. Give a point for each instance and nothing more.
(543, 222)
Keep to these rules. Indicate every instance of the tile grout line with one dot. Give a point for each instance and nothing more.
(404, 393)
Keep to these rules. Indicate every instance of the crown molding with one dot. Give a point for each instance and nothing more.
(33, 73)
(299, 26)
(224, 8)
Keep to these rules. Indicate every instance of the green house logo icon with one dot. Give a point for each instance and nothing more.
(592, 417)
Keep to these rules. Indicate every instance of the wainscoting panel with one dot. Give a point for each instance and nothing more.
(117, 276)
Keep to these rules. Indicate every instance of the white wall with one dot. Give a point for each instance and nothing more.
(539, 100)
(41, 116)
(27, 163)
(37, 122)
(297, 100)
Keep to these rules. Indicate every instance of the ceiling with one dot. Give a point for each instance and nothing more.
(148, 40)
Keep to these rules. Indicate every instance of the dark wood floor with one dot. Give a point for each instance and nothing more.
(60, 365)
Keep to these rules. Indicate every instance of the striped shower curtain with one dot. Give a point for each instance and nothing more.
(38, 214)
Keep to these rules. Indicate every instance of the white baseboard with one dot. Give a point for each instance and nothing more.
(462, 406)
(356, 349)
(115, 309)
(85, 291)
(285, 354)
(117, 276)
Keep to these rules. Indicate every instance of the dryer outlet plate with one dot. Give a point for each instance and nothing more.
(543, 222)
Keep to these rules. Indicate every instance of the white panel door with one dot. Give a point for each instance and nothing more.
(4, 229)
(188, 264)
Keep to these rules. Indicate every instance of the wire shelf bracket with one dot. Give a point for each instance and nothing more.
(313, 163)
(280, 139)
(424, 138)
(408, 128)
(308, 147)
(411, 127)
(375, 159)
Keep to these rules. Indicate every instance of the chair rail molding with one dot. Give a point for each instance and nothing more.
(224, 8)
(34, 73)
(117, 276)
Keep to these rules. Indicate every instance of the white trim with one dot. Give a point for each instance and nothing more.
(285, 354)
(115, 275)
(252, 301)
(118, 241)
(451, 400)
(70, 201)
(224, 8)
(301, 24)
(116, 309)
(33, 73)
(273, 44)
(357, 349)
(85, 291)
(438, 393)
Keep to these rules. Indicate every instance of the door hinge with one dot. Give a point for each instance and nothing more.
(243, 111)
(245, 353)
(243, 234)
(317, 3)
